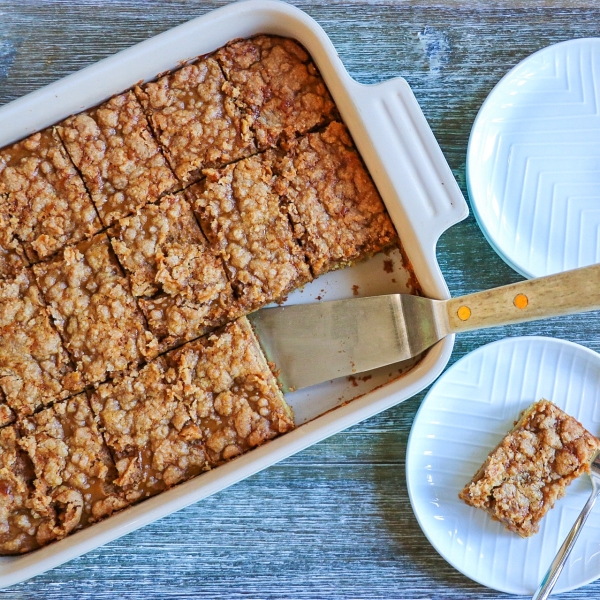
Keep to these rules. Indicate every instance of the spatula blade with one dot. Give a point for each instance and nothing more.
(312, 343)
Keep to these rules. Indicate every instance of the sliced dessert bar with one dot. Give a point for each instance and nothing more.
(531, 467)
(190, 409)
(94, 311)
(74, 472)
(228, 389)
(34, 366)
(279, 86)
(119, 159)
(182, 286)
(337, 212)
(50, 206)
(148, 430)
(197, 124)
(240, 213)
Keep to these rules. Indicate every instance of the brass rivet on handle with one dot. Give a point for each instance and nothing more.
(464, 312)
(521, 301)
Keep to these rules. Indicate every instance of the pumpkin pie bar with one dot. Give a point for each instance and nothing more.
(121, 163)
(73, 468)
(49, 205)
(531, 468)
(89, 299)
(239, 210)
(278, 85)
(189, 410)
(336, 210)
(182, 287)
(35, 368)
(197, 124)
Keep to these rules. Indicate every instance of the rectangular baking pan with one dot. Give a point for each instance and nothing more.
(413, 179)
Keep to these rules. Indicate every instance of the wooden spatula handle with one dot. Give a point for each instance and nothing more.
(551, 296)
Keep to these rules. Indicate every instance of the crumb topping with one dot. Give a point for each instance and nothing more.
(121, 163)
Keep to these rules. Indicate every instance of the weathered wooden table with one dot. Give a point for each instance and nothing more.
(335, 520)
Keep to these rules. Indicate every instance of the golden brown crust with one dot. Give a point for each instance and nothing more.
(119, 159)
(279, 86)
(12, 254)
(197, 124)
(50, 207)
(73, 467)
(332, 201)
(239, 210)
(94, 311)
(34, 366)
(531, 467)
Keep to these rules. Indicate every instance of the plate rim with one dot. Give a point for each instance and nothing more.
(431, 391)
(470, 150)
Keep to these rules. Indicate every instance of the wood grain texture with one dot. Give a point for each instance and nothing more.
(335, 520)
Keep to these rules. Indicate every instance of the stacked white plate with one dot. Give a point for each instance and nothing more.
(533, 161)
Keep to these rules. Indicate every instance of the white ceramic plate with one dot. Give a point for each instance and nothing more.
(466, 413)
(533, 161)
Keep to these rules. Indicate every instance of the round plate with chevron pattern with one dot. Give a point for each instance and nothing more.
(533, 161)
(464, 416)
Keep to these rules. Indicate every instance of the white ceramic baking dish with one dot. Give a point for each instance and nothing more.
(410, 172)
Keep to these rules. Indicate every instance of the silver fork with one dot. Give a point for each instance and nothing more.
(559, 561)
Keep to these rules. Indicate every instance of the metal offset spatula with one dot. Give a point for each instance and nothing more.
(312, 343)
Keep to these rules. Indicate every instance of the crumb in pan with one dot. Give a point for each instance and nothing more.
(197, 124)
(50, 206)
(12, 254)
(182, 286)
(34, 366)
(120, 161)
(336, 210)
(74, 471)
(279, 86)
(239, 209)
(19, 521)
(531, 468)
(7, 416)
(94, 311)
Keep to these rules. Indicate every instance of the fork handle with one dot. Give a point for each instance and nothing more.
(561, 294)
(559, 561)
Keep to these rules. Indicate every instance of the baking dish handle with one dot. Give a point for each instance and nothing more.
(408, 162)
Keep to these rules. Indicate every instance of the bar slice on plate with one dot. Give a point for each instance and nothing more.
(531, 468)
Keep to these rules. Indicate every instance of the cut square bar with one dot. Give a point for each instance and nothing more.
(34, 366)
(50, 206)
(94, 311)
(337, 212)
(531, 468)
(279, 86)
(240, 213)
(197, 124)
(182, 286)
(119, 159)
(74, 471)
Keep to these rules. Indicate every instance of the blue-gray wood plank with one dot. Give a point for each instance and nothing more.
(335, 520)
